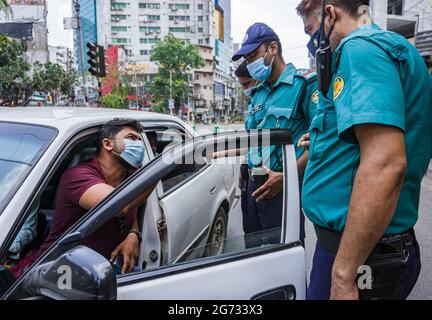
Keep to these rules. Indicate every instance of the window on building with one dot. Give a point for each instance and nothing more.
(149, 5)
(200, 7)
(200, 30)
(179, 29)
(154, 18)
(118, 6)
(179, 18)
(200, 41)
(197, 77)
(200, 18)
(150, 29)
(118, 17)
(146, 52)
(119, 29)
(178, 6)
(395, 7)
(119, 40)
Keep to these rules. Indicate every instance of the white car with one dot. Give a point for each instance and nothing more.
(185, 252)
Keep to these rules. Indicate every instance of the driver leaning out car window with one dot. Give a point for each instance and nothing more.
(120, 152)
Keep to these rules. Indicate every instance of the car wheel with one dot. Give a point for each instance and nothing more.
(218, 232)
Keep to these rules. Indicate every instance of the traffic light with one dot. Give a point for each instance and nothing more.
(96, 60)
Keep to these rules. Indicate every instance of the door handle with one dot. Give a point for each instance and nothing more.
(212, 189)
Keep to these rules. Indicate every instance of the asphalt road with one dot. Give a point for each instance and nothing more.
(423, 289)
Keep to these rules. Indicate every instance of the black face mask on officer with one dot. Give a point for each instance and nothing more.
(314, 43)
(324, 56)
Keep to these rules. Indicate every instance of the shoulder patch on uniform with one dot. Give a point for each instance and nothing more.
(306, 73)
(338, 86)
(315, 97)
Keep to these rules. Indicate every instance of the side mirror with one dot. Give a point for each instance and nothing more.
(78, 274)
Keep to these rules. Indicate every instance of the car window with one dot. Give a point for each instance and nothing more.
(160, 141)
(22, 146)
(207, 223)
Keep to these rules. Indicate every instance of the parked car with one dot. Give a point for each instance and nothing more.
(184, 223)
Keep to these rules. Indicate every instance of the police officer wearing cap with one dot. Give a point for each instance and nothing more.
(286, 98)
(370, 145)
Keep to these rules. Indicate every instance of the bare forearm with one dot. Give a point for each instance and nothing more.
(301, 164)
(374, 199)
(138, 202)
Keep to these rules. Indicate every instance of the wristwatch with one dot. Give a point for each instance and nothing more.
(139, 235)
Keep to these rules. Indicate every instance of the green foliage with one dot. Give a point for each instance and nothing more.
(117, 99)
(4, 6)
(16, 85)
(178, 57)
(113, 100)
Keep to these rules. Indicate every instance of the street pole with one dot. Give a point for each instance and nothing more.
(77, 11)
(171, 92)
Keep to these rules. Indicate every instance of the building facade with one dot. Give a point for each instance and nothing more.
(62, 56)
(27, 23)
(412, 19)
(135, 26)
(88, 18)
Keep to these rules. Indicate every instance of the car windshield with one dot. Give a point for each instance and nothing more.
(21, 146)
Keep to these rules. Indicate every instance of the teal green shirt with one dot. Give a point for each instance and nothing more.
(380, 78)
(290, 104)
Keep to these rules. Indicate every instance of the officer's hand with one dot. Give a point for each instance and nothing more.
(344, 291)
(271, 188)
(304, 141)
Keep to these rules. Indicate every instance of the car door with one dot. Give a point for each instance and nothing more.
(265, 272)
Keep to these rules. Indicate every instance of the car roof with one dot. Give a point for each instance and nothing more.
(65, 118)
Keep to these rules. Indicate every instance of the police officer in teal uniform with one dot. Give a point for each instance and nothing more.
(370, 145)
(249, 87)
(286, 98)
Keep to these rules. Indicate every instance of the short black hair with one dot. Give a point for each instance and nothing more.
(110, 129)
(242, 71)
(350, 6)
(307, 8)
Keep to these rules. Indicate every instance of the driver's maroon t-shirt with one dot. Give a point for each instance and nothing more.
(73, 184)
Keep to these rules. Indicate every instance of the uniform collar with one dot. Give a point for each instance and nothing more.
(361, 31)
(287, 76)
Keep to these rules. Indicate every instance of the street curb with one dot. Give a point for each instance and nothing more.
(429, 171)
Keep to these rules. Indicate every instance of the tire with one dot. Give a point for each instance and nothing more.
(218, 233)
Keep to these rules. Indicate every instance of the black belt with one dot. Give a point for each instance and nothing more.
(330, 240)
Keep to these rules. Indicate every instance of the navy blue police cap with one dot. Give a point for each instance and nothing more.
(256, 35)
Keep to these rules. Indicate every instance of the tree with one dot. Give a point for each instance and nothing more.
(117, 99)
(15, 84)
(177, 57)
(4, 6)
(52, 78)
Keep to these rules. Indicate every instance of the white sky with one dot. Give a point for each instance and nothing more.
(279, 15)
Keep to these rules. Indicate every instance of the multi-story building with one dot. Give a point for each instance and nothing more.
(412, 19)
(203, 83)
(224, 81)
(137, 25)
(62, 56)
(88, 20)
(27, 23)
